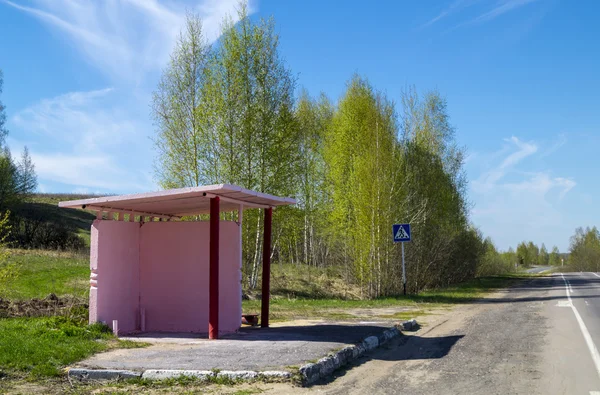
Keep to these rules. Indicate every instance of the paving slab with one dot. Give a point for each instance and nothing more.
(252, 348)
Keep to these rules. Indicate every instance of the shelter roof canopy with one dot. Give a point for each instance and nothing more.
(181, 202)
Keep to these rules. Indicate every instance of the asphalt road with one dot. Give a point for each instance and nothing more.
(538, 337)
(538, 269)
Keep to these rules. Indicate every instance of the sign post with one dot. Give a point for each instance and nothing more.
(401, 233)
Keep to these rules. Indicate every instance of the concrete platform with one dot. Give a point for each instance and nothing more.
(252, 348)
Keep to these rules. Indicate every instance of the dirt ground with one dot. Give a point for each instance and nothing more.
(49, 306)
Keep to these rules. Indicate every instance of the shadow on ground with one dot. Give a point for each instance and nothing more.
(319, 333)
(405, 348)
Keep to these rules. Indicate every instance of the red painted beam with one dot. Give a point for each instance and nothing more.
(213, 271)
(266, 273)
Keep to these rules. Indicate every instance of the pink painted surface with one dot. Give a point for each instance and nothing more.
(114, 259)
(174, 276)
(163, 268)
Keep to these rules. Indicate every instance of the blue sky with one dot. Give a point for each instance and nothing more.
(520, 77)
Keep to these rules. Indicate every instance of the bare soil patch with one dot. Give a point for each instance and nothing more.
(49, 306)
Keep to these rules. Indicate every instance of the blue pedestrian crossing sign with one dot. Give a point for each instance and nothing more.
(401, 232)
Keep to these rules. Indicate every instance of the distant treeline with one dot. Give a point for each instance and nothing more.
(527, 254)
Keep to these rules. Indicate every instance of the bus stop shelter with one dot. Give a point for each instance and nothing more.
(152, 272)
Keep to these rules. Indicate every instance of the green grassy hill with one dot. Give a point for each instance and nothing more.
(44, 208)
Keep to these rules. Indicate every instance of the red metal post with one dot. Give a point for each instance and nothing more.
(266, 273)
(213, 271)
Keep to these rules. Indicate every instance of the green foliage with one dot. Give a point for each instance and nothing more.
(226, 113)
(38, 223)
(493, 262)
(446, 249)
(543, 257)
(9, 271)
(585, 250)
(529, 254)
(555, 259)
(17, 179)
(362, 157)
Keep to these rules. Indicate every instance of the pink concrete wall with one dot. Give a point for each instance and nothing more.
(174, 276)
(114, 262)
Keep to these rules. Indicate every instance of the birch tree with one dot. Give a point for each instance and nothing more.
(361, 151)
(251, 95)
(184, 139)
(313, 117)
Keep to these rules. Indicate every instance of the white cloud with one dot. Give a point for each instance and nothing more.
(512, 205)
(84, 121)
(86, 139)
(84, 172)
(539, 185)
(125, 38)
(523, 150)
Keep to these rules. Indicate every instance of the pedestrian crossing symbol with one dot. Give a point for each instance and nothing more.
(401, 232)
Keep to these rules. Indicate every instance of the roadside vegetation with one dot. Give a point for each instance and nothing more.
(585, 250)
(356, 164)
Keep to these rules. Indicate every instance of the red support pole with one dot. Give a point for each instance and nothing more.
(266, 272)
(213, 273)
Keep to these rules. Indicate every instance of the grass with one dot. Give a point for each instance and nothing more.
(45, 272)
(44, 207)
(41, 346)
(35, 347)
(309, 282)
(283, 309)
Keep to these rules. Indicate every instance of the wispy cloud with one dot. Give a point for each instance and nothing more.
(99, 139)
(500, 8)
(82, 121)
(84, 172)
(562, 140)
(125, 38)
(452, 8)
(86, 139)
(513, 203)
(520, 150)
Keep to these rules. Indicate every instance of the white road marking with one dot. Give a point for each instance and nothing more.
(586, 303)
(584, 331)
(563, 303)
(594, 392)
(596, 276)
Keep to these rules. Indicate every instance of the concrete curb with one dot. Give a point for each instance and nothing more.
(165, 374)
(312, 372)
(104, 374)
